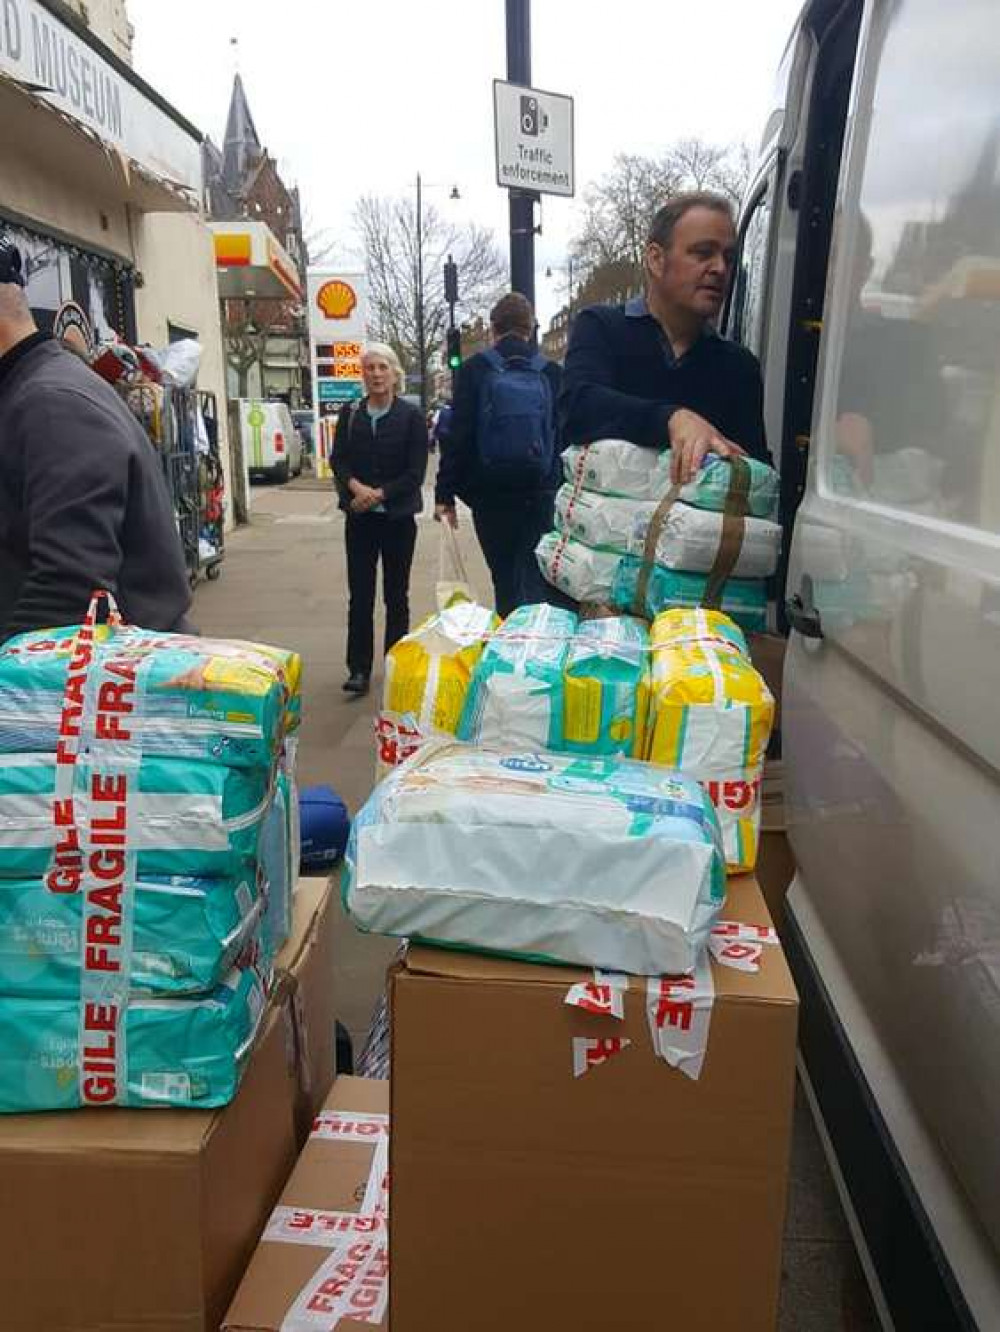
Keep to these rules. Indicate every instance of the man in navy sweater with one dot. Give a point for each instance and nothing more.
(654, 371)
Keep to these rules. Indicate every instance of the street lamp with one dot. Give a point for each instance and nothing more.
(421, 347)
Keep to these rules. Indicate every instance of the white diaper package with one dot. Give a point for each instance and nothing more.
(584, 573)
(601, 862)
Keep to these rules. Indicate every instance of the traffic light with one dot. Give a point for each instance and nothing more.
(454, 348)
(451, 281)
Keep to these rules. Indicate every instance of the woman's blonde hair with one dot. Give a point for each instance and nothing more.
(386, 353)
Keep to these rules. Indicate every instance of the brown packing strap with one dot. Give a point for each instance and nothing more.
(653, 533)
(734, 517)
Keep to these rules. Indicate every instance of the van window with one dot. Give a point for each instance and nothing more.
(746, 325)
(917, 412)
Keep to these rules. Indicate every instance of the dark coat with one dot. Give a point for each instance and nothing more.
(83, 500)
(392, 458)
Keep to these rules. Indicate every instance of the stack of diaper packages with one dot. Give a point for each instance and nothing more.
(710, 717)
(626, 537)
(147, 858)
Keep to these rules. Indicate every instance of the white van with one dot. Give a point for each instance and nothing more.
(869, 284)
(272, 447)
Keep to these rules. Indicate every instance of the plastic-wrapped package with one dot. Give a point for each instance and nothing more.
(427, 677)
(186, 934)
(744, 599)
(690, 538)
(56, 1054)
(595, 861)
(279, 866)
(606, 688)
(515, 698)
(582, 572)
(617, 467)
(202, 698)
(186, 818)
(711, 715)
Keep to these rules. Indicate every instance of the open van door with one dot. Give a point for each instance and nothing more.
(885, 417)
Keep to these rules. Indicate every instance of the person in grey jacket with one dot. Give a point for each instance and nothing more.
(83, 500)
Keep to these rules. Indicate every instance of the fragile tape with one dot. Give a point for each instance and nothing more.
(315, 1226)
(679, 1009)
(604, 995)
(339, 1126)
(740, 946)
(352, 1283)
(592, 1051)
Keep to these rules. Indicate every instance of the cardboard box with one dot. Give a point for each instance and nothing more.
(326, 1202)
(305, 975)
(630, 1197)
(116, 1220)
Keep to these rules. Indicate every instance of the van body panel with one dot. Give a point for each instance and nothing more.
(891, 727)
(272, 446)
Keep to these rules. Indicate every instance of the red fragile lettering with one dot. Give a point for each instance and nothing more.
(301, 1220)
(598, 997)
(671, 1010)
(602, 1050)
(99, 1085)
(326, 1297)
(66, 874)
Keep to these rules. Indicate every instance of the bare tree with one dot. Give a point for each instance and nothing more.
(387, 231)
(245, 342)
(619, 207)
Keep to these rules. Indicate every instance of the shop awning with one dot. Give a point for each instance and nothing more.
(253, 264)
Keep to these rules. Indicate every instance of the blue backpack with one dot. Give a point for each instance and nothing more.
(515, 438)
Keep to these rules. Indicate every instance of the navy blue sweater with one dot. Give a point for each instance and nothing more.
(622, 381)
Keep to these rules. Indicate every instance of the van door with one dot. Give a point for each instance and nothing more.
(891, 723)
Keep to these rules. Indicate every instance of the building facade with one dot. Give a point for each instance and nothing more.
(101, 186)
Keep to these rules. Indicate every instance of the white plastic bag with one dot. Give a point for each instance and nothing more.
(453, 582)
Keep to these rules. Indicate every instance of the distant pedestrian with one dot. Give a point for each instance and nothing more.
(501, 454)
(442, 425)
(379, 461)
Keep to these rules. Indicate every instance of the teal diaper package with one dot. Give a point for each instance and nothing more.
(202, 698)
(606, 688)
(186, 935)
(59, 1054)
(181, 817)
(743, 599)
(278, 870)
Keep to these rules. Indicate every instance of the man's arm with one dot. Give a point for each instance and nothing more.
(416, 459)
(76, 476)
(591, 407)
(459, 441)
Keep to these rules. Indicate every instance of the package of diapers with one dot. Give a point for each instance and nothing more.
(427, 677)
(582, 572)
(59, 1054)
(186, 934)
(606, 688)
(200, 698)
(617, 467)
(599, 862)
(278, 866)
(711, 715)
(515, 698)
(180, 817)
(744, 599)
(690, 537)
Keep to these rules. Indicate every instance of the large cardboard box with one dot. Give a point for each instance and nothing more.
(323, 1252)
(775, 861)
(305, 975)
(127, 1219)
(630, 1197)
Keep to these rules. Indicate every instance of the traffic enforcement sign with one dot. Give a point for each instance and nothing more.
(339, 390)
(534, 139)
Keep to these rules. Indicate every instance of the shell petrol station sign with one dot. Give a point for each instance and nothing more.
(338, 328)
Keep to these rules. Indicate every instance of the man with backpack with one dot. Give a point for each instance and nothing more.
(501, 455)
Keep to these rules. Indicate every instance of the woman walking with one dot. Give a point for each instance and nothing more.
(379, 461)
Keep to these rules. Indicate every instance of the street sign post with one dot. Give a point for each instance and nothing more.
(534, 139)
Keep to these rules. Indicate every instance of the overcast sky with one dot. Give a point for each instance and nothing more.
(356, 98)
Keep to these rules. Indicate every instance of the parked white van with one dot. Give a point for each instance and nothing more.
(869, 284)
(272, 446)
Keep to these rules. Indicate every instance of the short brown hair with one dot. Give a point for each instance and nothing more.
(513, 313)
(661, 229)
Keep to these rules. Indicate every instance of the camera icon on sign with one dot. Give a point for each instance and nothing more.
(534, 120)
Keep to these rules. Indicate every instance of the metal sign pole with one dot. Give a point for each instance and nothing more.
(522, 202)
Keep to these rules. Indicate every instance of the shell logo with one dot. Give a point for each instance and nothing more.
(337, 299)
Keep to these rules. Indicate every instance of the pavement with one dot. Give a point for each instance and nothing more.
(284, 581)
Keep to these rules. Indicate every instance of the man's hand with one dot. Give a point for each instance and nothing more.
(691, 438)
(365, 498)
(446, 513)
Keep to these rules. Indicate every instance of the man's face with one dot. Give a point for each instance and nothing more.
(693, 273)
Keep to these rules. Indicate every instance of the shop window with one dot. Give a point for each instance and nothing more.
(58, 272)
